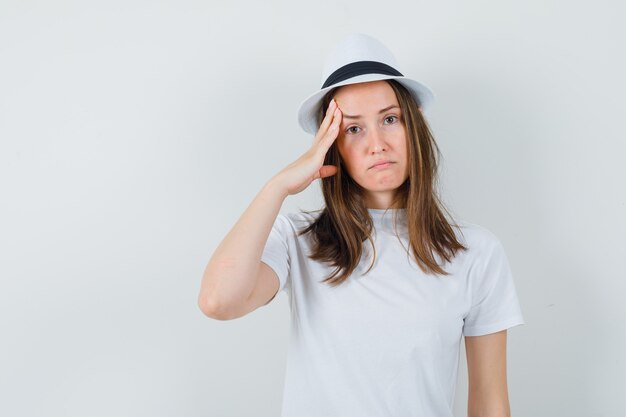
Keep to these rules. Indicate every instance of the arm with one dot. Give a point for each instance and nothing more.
(231, 274)
(486, 367)
(233, 271)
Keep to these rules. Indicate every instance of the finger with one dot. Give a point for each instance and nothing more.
(333, 130)
(328, 117)
(327, 171)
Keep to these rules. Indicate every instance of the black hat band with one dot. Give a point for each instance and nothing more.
(359, 68)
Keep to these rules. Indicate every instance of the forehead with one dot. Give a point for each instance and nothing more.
(365, 97)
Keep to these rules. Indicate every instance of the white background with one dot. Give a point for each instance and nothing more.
(134, 134)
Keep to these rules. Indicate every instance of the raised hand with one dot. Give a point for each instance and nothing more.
(310, 166)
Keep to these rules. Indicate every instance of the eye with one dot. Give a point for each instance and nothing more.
(391, 117)
(349, 131)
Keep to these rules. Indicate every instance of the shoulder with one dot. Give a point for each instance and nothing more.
(477, 238)
(295, 221)
(302, 218)
(486, 260)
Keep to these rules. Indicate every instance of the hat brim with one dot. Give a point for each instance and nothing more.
(307, 112)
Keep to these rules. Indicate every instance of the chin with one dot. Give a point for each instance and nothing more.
(385, 187)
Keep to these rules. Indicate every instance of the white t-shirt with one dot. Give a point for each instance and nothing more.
(386, 343)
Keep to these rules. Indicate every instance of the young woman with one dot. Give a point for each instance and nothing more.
(381, 285)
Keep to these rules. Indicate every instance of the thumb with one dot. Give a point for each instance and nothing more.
(327, 171)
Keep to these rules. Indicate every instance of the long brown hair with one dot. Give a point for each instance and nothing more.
(344, 224)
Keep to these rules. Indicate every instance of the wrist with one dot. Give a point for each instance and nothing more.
(276, 186)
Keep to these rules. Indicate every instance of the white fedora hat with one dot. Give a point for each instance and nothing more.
(358, 58)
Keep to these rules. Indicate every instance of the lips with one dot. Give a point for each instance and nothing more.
(380, 162)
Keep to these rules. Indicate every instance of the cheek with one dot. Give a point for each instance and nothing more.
(351, 166)
(344, 153)
(351, 159)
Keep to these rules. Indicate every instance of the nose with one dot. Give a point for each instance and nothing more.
(376, 141)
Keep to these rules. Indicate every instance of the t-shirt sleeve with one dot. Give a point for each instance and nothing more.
(276, 251)
(495, 305)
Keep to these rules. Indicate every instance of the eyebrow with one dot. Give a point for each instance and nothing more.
(346, 116)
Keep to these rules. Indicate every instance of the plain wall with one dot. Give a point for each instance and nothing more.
(134, 134)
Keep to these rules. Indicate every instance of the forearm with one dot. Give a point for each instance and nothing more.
(488, 394)
(230, 275)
